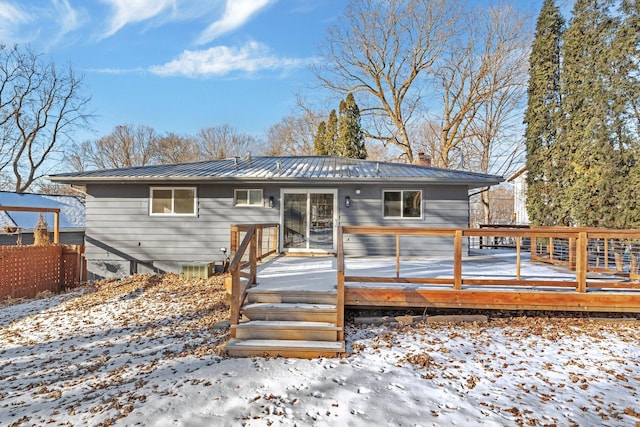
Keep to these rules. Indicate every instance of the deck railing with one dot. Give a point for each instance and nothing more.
(582, 256)
(259, 241)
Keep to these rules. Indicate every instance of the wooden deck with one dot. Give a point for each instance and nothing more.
(314, 292)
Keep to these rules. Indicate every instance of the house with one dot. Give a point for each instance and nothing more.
(17, 227)
(157, 218)
(519, 181)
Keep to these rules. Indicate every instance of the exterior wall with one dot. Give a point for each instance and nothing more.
(442, 206)
(122, 238)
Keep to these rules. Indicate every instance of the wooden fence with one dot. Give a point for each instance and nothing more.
(25, 271)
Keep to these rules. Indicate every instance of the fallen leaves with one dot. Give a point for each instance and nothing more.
(98, 331)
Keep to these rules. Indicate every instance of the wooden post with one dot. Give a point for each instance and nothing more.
(340, 286)
(56, 227)
(606, 253)
(550, 248)
(518, 258)
(234, 239)
(581, 262)
(533, 248)
(397, 255)
(234, 317)
(259, 244)
(572, 253)
(253, 257)
(457, 260)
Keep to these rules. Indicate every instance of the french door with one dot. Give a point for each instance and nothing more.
(309, 220)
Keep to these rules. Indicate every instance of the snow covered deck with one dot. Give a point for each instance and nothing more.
(489, 280)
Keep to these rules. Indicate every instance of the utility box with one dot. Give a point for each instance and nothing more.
(197, 270)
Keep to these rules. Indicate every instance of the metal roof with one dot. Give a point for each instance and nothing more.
(273, 169)
(72, 211)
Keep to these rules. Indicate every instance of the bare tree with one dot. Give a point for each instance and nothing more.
(174, 148)
(126, 146)
(41, 106)
(294, 134)
(501, 199)
(381, 50)
(220, 142)
(497, 128)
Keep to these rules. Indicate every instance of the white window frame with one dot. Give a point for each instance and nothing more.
(402, 204)
(173, 212)
(248, 205)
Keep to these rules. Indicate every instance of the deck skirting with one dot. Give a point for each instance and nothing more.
(560, 300)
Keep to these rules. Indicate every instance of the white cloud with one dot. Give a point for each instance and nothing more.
(27, 22)
(223, 60)
(67, 19)
(129, 11)
(236, 13)
(12, 14)
(11, 18)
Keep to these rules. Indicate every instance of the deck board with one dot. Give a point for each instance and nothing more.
(535, 290)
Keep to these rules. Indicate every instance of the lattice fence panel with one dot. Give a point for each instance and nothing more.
(26, 271)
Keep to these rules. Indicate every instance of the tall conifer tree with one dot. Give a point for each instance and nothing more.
(542, 118)
(320, 140)
(350, 141)
(592, 176)
(331, 133)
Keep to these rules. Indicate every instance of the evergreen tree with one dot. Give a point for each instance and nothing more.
(320, 140)
(592, 176)
(542, 119)
(350, 141)
(331, 133)
(625, 107)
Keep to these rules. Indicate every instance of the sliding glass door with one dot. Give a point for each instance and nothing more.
(308, 220)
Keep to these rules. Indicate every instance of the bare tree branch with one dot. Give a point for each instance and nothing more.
(380, 50)
(41, 106)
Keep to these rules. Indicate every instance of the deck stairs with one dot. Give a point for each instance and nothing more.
(285, 323)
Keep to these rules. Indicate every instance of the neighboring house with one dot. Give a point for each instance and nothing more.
(519, 181)
(17, 227)
(155, 218)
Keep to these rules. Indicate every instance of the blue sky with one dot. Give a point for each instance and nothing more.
(179, 66)
(182, 65)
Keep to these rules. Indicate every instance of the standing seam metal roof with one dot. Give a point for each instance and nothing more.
(274, 168)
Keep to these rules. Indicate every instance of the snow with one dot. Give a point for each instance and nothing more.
(147, 350)
(72, 211)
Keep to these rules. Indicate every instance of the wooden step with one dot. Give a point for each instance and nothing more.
(287, 330)
(278, 296)
(284, 348)
(292, 312)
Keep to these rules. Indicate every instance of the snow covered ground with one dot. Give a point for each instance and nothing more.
(149, 351)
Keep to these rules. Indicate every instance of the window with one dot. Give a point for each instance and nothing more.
(402, 204)
(173, 201)
(248, 197)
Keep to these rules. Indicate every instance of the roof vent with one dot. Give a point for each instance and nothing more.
(249, 158)
(279, 167)
(235, 161)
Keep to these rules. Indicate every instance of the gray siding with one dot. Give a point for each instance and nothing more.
(122, 238)
(442, 206)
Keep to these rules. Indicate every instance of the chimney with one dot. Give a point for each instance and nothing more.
(423, 160)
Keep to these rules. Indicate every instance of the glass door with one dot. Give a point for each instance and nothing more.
(308, 220)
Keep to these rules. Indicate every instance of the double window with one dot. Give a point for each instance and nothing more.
(402, 203)
(173, 201)
(248, 197)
